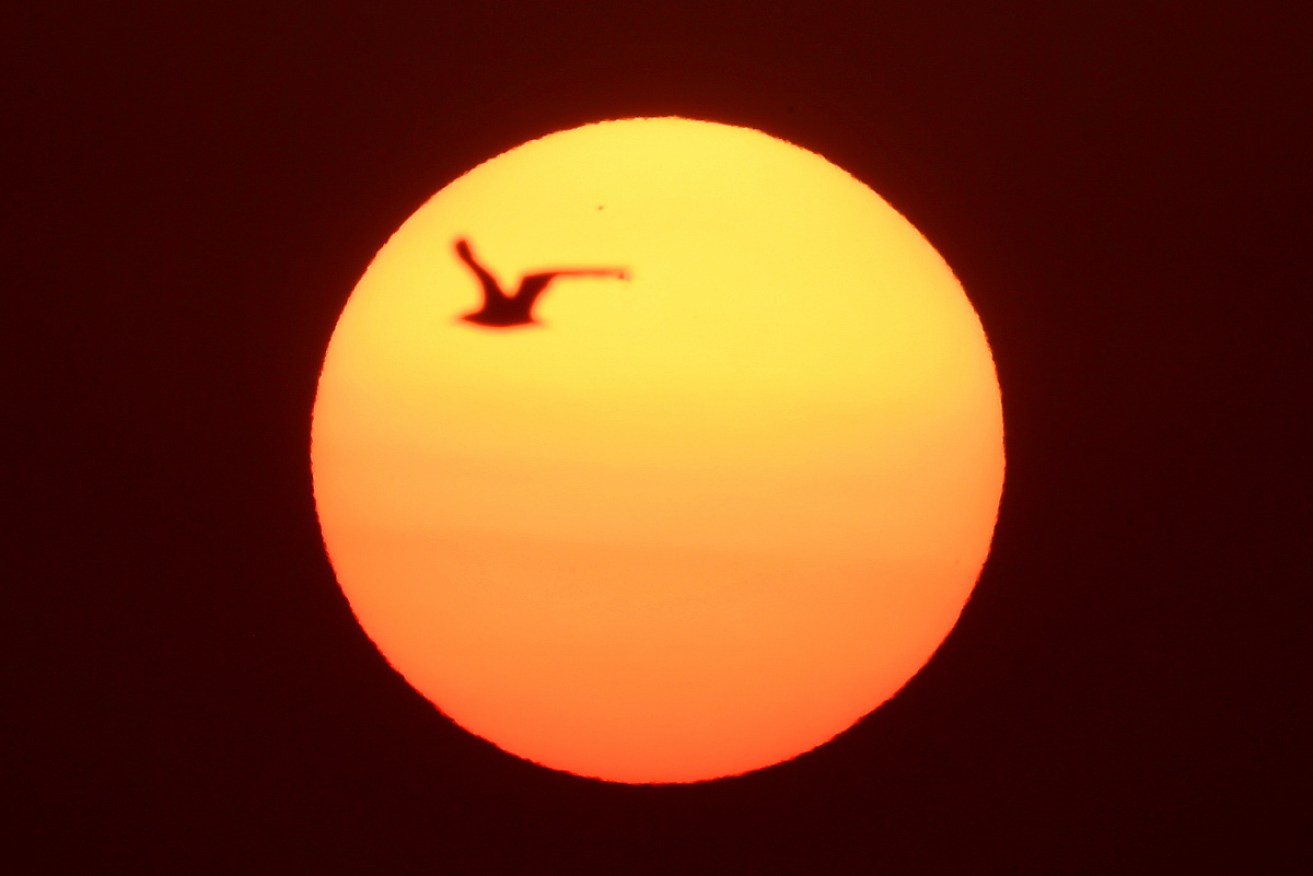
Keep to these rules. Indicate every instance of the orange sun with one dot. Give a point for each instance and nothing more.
(690, 516)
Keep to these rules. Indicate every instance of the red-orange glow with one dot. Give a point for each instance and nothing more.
(702, 519)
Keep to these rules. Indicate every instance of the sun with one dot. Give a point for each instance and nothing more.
(701, 508)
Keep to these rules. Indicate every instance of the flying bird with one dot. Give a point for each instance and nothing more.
(501, 310)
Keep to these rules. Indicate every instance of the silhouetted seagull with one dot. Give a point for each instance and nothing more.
(501, 310)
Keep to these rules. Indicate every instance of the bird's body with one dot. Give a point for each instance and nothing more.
(500, 310)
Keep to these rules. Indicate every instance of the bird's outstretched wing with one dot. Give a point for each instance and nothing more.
(492, 292)
(533, 285)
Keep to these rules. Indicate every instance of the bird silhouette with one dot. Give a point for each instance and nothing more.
(500, 310)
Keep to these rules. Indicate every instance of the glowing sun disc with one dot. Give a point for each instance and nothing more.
(687, 523)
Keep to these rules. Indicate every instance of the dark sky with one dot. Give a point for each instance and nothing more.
(190, 197)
